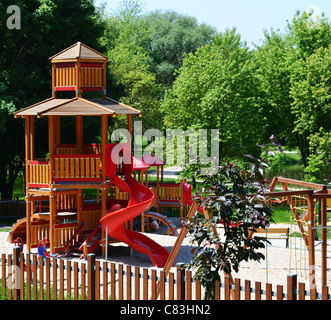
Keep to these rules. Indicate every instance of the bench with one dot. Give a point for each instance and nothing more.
(283, 231)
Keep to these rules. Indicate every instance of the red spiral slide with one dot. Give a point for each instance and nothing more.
(140, 199)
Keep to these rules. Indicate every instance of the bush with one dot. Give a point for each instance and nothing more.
(235, 198)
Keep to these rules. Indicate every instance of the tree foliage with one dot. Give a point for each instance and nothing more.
(311, 94)
(131, 80)
(47, 27)
(145, 51)
(215, 89)
(173, 36)
(319, 161)
(293, 72)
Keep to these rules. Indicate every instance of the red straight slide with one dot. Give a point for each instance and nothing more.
(140, 199)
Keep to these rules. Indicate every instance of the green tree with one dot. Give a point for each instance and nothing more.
(11, 163)
(319, 160)
(215, 89)
(306, 35)
(47, 27)
(171, 37)
(273, 60)
(131, 80)
(311, 94)
(285, 67)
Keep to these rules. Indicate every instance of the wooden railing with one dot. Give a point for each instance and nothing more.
(170, 192)
(39, 175)
(89, 148)
(12, 208)
(62, 233)
(308, 204)
(39, 230)
(77, 167)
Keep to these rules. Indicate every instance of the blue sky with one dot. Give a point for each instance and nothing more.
(250, 17)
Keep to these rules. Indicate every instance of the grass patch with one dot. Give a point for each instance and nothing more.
(282, 215)
(66, 296)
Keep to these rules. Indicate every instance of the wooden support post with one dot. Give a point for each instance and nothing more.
(158, 182)
(146, 178)
(28, 223)
(103, 213)
(51, 146)
(79, 206)
(52, 214)
(79, 134)
(324, 240)
(57, 125)
(129, 128)
(27, 151)
(104, 141)
(311, 241)
(162, 174)
(32, 141)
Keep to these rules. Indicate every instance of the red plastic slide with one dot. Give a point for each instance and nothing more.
(140, 199)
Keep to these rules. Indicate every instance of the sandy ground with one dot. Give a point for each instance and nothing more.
(280, 261)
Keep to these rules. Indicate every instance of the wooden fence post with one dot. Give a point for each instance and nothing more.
(292, 287)
(180, 282)
(311, 241)
(91, 276)
(16, 273)
(227, 287)
(22, 274)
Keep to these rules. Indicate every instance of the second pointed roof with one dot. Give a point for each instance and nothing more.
(79, 51)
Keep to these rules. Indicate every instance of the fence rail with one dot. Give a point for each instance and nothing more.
(12, 208)
(28, 277)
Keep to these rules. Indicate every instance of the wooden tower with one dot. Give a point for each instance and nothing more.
(62, 178)
(79, 69)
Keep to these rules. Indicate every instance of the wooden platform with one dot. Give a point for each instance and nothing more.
(59, 215)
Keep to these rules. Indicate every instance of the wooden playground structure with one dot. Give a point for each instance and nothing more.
(71, 224)
(310, 204)
(61, 179)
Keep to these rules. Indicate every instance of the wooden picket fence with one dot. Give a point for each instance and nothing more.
(12, 208)
(29, 277)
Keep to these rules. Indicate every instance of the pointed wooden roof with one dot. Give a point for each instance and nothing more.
(77, 106)
(78, 51)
